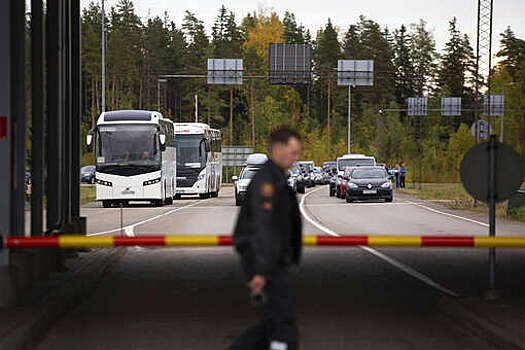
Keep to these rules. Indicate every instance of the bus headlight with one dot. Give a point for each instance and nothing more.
(151, 182)
(103, 183)
(202, 175)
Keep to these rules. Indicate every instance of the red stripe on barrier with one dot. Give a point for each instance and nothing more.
(342, 240)
(3, 127)
(140, 241)
(225, 240)
(434, 241)
(32, 242)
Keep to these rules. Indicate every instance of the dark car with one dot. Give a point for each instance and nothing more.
(368, 183)
(87, 174)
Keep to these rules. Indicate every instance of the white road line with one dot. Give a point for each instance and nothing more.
(448, 214)
(358, 204)
(407, 269)
(129, 230)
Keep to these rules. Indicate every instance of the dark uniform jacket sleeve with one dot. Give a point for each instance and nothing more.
(265, 205)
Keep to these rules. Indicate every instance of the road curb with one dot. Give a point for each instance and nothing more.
(467, 319)
(42, 309)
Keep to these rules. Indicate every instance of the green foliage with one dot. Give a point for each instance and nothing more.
(405, 61)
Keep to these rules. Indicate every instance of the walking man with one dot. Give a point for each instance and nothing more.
(268, 239)
(402, 175)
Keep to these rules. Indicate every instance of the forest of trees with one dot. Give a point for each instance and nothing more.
(406, 61)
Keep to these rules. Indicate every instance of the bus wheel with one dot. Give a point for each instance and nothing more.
(157, 203)
(106, 204)
(215, 194)
(168, 201)
(204, 195)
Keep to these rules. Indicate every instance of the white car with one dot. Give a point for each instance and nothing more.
(241, 183)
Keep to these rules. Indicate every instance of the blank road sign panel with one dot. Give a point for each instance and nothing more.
(290, 63)
(417, 106)
(497, 105)
(355, 72)
(224, 71)
(451, 106)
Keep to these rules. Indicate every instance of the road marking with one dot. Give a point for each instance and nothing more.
(358, 204)
(448, 214)
(407, 269)
(129, 230)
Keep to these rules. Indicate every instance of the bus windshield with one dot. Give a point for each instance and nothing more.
(343, 163)
(188, 154)
(128, 144)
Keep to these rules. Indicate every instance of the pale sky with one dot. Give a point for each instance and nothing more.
(314, 14)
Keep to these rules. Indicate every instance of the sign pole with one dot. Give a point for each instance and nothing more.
(349, 114)
(492, 213)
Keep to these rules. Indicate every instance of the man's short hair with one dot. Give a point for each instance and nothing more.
(282, 135)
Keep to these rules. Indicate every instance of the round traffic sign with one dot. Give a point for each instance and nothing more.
(474, 171)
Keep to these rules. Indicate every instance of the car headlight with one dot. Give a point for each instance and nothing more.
(387, 184)
(104, 183)
(352, 185)
(151, 182)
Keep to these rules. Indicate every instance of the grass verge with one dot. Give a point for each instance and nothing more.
(454, 196)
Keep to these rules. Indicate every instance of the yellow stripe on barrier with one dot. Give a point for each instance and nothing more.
(507, 242)
(192, 240)
(408, 241)
(309, 240)
(67, 241)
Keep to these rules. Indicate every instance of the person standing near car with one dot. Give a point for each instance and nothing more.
(397, 174)
(402, 175)
(268, 239)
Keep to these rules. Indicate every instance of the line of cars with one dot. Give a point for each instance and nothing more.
(301, 175)
(359, 178)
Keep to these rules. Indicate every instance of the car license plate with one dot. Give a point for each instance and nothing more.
(369, 191)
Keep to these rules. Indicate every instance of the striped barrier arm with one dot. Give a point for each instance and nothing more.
(74, 241)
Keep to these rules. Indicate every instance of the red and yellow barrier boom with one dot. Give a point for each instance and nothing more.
(75, 241)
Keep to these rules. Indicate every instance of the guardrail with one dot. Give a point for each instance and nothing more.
(73, 241)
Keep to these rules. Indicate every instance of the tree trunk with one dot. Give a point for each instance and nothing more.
(253, 115)
(231, 115)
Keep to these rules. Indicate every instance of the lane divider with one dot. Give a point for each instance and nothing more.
(77, 241)
(393, 262)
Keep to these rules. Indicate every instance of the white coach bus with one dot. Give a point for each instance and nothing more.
(199, 160)
(135, 157)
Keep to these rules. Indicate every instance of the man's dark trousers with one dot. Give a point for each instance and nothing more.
(277, 321)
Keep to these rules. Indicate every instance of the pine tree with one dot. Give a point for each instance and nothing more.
(404, 68)
(423, 52)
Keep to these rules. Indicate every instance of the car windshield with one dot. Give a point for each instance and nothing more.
(132, 144)
(87, 169)
(249, 173)
(343, 163)
(188, 154)
(368, 174)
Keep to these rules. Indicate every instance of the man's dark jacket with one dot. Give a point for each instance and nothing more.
(268, 231)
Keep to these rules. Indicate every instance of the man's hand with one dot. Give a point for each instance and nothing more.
(257, 284)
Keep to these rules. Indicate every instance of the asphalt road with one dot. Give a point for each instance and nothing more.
(347, 298)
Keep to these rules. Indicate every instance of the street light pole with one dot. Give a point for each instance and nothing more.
(103, 61)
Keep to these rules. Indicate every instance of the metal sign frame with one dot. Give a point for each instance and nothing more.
(497, 105)
(235, 156)
(451, 106)
(222, 71)
(417, 106)
(355, 72)
(290, 64)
